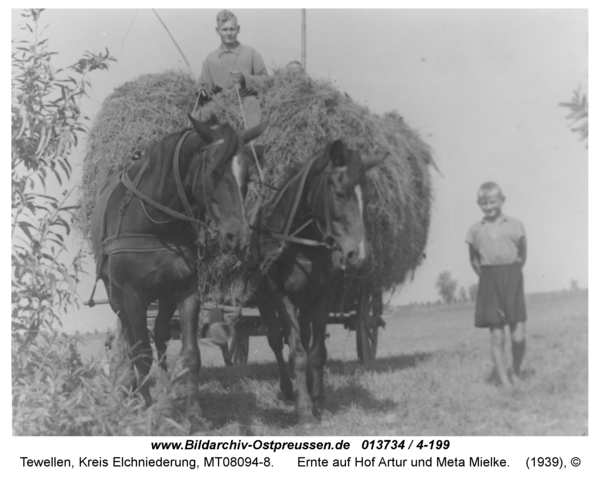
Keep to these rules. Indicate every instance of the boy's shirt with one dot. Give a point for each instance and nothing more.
(498, 242)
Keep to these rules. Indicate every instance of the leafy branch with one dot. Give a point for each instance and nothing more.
(579, 113)
(46, 121)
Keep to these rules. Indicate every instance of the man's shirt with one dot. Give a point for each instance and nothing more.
(497, 242)
(215, 69)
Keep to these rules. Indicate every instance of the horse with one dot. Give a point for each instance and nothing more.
(148, 231)
(305, 237)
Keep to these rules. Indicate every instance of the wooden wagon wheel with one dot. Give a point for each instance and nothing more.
(368, 320)
(238, 350)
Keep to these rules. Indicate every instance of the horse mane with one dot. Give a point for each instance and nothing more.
(161, 149)
(160, 153)
(292, 171)
(293, 174)
(354, 167)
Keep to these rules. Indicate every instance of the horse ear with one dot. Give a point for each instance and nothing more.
(205, 132)
(254, 132)
(337, 153)
(370, 163)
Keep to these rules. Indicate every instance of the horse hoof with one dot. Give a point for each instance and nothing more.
(308, 419)
(317, 412)
(287, 394)
(308, 423)
(198, 428)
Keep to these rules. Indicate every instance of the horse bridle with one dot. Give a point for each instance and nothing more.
(293, 237)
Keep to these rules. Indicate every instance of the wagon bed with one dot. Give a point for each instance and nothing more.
(364, 317)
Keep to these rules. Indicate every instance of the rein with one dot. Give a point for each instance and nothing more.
(251, 282)
(292, 237)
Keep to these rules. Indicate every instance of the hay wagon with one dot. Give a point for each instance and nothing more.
(363, 316)
(303, 112)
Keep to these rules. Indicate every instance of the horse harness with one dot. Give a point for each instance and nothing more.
(148, 243)
(285, 237)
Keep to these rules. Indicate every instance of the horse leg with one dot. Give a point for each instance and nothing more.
(162, 334)
(135, 308)
(275, 338)
(226, 354)
(189, 308)
(162, 329)
(300, 360)
(318, 352)
(305, 330)
(121, 363)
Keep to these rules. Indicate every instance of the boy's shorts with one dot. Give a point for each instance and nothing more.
(500, 296)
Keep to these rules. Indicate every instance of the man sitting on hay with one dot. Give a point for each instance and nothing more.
(232, 65)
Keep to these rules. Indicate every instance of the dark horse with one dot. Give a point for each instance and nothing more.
(148, 234)
(305, 237)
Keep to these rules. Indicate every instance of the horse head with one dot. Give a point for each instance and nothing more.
(338, 202)
(224, 181)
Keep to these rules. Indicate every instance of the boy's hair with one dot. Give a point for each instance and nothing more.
(224, 16)
(488, 188)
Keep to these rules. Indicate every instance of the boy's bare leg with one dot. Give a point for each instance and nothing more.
(517, 333)
(497, 342)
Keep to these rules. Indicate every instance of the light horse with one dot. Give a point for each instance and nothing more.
(148, 230)
(305, 237)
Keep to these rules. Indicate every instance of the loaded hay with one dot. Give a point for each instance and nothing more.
(304, 113)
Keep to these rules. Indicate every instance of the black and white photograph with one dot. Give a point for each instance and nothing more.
(251, 223)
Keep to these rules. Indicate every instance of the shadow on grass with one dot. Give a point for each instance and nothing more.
(234, 398)
(357, 396)
(384, 365)
(232, 395)
(243, 409)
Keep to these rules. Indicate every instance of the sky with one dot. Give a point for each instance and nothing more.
(481, 87)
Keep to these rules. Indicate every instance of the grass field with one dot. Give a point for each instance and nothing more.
(432, 377)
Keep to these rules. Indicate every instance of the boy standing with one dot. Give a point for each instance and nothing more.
(233, 65)
(498, 251)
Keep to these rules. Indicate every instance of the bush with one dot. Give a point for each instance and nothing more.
(55, 393)
(45, 121)
(446, 287)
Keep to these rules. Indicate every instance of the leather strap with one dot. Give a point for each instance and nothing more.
(292, 238)
(179, 185)
(131, 187)
(137, 243)
(289, 238)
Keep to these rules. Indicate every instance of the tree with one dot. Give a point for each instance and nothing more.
(45, 123)
(579, 114)
(446, 286)
(473, 292)
(462, 295)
